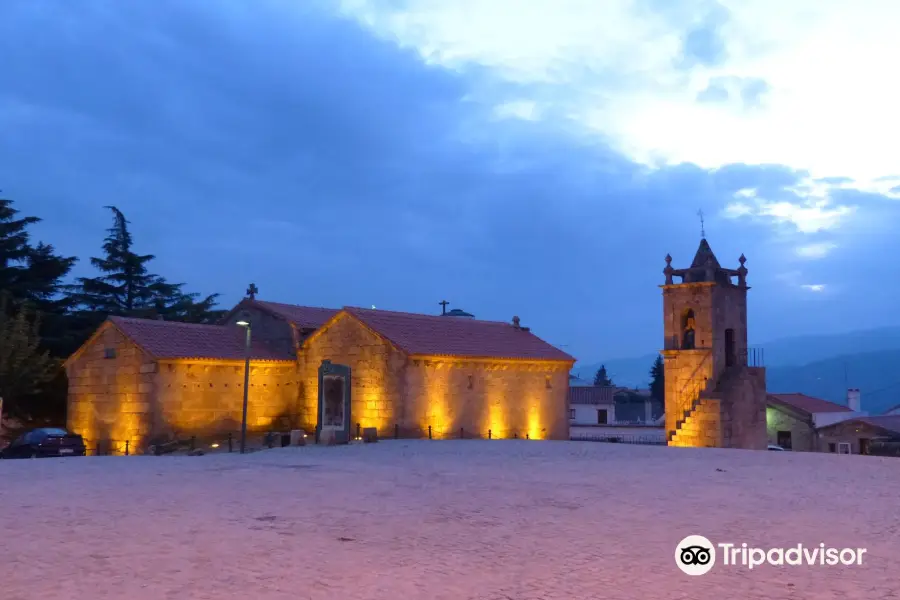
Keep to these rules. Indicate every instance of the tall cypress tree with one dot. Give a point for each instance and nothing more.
(127, 287)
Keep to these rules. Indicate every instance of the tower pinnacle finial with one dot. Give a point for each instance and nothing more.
(702, 224)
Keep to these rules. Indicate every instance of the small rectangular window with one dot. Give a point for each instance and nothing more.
(109, 353)
(571, 413)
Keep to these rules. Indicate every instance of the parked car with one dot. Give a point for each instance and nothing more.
(45, 442)
(776, 448)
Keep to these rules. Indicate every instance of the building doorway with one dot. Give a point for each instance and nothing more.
(784, 440)
(602, 416)
(334, 402)
(864, 445)
(730, 356)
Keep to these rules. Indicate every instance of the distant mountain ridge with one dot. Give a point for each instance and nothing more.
(823, 366)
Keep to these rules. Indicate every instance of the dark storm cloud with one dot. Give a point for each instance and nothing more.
(282, 145)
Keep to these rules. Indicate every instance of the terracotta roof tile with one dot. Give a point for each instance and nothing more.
(808, 404)
(593, 394)
(304, 317)
(432, 335)
(170, 339)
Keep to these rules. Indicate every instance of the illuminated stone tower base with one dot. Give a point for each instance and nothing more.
(715, 385)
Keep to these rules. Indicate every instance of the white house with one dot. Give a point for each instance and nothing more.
(592, 405)
(830, 417)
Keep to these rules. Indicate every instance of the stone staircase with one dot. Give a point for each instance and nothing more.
(694, 390)
(702, 423)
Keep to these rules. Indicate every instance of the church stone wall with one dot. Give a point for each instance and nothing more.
(377, 375)
(204, 398)
(133, 398)
(506, 398)
(730, 312)
(677, 300)
(110, 400)
(278, 333)
(685, 372)
(390, 389)
(745, 408)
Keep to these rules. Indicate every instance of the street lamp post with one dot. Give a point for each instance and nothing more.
(245, 323)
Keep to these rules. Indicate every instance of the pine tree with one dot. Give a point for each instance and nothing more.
(34, 275)
(126, 287)
(14, 247)
(601, 378)
(25, 368)
(658, 381)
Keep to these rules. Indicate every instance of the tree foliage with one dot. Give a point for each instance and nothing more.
(25, 367)
(45, 316)
(601, 378)
(658, 381)
(126, 286)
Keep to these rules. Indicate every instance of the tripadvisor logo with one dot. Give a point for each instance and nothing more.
(696, 555)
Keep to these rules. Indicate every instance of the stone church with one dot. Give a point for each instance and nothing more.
(715, 386)
(314, 369)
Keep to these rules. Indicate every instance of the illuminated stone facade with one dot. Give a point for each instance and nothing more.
(122, 390)
(453, 395)
(715, 397)
(119, 393)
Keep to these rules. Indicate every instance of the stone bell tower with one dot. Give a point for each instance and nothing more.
(715, 385)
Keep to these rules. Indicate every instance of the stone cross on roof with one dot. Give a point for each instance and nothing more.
(252, 291)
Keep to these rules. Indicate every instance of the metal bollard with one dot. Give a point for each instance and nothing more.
(462, 434)
(230, 442)
(396, 432)
(126, 447)
(358, 431)
(429, 432)
(489, 434)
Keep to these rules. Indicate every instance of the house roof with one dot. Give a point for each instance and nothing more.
(435, 335)
(887, 423)
(807, 404)
(303, 317)
(594, 394)
(170, 339)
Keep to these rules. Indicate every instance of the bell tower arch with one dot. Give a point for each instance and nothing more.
(707, 372)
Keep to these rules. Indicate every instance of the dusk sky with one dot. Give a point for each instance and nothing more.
(534, 158)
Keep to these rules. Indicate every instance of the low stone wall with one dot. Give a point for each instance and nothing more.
(646, 434)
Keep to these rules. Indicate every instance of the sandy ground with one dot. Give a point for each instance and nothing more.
(455, 519)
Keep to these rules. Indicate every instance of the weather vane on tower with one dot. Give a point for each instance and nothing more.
(702, 224)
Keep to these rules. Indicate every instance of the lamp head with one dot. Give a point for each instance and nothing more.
(243, 320)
